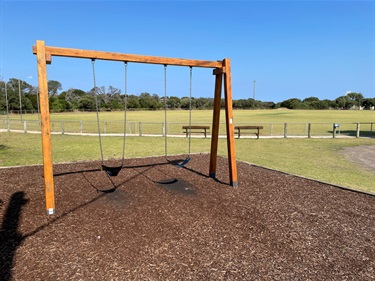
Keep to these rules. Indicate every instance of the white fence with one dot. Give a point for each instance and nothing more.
(275, 130)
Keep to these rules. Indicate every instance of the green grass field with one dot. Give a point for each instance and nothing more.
(205, 116)
(314, 158)
(150, 122)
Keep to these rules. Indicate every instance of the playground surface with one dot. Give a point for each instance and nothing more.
(274, 226)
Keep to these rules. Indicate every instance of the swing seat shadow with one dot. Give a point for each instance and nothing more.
(178, 186)
(80, 171)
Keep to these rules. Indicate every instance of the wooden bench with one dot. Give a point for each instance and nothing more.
(197, 129)
(237, 130)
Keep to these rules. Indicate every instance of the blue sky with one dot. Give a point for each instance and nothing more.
(292, 49)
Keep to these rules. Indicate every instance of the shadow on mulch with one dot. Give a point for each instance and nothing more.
(10, 238)
(178, 186)
(162, 222)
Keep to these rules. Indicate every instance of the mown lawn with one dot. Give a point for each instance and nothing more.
(314, 158)
(205, 116)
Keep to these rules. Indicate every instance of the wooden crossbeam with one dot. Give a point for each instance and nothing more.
(89, 54)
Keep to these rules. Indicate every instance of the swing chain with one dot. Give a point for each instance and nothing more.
(125, 108)
(165, 110)
(97, 108)
(190, 106)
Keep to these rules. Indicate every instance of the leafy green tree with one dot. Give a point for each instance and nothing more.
(145, 100)
(368, 103)
(116, 102)
(57, 105)
(251, 103)
(319, 105)
(53, 87)
(12, 85)
(151, 102)
(73, 96)
(200, 103)
(293, 103)
(2, 96)
(133, 102)
(356, 98)
(26, 104)
(87, 103)
(343, 102)
(15, 89)
(240, 104)
(111, 98)
(311, 99)
(267, 105)
(185, 102)
(155, 102)
(33, 98)
(173, 102)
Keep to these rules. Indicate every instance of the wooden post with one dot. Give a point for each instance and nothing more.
(285, 130)
(230, 123)
(49, 189)
(358, 129)
(215, 121)
(309, 130)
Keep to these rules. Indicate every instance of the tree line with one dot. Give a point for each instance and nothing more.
(21, 95)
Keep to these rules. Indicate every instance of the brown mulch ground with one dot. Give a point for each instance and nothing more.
(273, 227)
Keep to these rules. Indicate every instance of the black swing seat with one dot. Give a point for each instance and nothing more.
(183, 163)
(177, 164)
(111, 171)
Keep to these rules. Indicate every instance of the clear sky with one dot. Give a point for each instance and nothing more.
(292, 49)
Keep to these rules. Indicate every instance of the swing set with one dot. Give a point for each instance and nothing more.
(221, 70)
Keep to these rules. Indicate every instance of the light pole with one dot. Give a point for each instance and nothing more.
(19, 92)
(37, 103)
(7, 105)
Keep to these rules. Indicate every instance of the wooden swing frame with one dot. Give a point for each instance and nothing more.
(221, 71)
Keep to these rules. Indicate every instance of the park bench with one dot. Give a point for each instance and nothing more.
(237, 130)
(196, 129)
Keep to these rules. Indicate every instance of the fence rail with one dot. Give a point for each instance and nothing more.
(276, 130)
